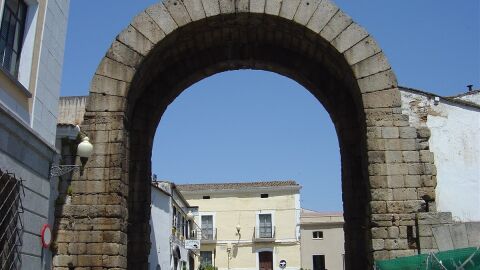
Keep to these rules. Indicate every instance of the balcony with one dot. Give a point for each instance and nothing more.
(208, 235)
(264, 234)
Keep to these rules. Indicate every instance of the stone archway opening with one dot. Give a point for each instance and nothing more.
(174, 44)
(240, 41)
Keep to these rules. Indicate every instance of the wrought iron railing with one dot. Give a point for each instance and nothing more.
(264, 232)
(11, 226)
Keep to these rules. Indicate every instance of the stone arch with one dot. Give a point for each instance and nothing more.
(174, 44)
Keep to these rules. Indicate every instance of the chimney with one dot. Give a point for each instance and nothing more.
(470, 87)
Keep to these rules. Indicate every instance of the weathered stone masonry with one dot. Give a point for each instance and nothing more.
(386, 165)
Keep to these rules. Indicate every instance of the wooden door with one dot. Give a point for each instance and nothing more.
(265, 259)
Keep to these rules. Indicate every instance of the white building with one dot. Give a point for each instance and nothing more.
(322, 240)
(172, 229)
(454, 124)
(32, 41)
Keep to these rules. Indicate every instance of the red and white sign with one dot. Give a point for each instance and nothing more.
(46, 236)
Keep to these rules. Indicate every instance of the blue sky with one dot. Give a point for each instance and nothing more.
(256, 125)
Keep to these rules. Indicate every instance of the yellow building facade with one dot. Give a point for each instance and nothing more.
(252, 225)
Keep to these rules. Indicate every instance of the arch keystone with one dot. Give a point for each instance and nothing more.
(272, 7)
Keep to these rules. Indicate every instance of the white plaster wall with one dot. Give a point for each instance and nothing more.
(472, 97)
(161, 228)
(455, 143)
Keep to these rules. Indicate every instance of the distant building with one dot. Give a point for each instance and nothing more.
(32, 42)
(248, 225)
(172, 227)
(322, 240)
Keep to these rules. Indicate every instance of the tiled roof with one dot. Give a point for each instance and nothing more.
(237, 186)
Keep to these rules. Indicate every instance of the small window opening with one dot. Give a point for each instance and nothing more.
(317, 235)
(206, 197)
(264, 195)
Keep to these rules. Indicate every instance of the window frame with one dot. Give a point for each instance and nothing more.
(272, 215)
(317, 238)
(212, 214)
(211, 257)
(21, 21)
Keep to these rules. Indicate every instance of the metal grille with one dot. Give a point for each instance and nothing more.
(11, 226)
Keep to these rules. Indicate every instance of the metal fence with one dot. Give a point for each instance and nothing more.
(11, 226)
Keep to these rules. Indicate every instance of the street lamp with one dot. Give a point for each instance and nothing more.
(84, 151)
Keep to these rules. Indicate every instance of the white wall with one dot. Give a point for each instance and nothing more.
(455, 143)
(161, 228)
(45, 108)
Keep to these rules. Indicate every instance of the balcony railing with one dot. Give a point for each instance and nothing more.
(264, 233)
(208, 235)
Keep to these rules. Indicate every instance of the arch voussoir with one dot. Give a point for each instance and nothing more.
(124, 54)
(242, 6)
(336, 25)
(115, 70)
(289, 8)
(272, 7)
(349, 37)
(195, 9)
(362, 50)
(211, 7)
(227, 6)
(378, 81)
(105, 85)
(135, 40)
(257, 6)
(148, 27)
(372, 65)
(178, 12)
(159, 13)
(322, 15)
(305, 11)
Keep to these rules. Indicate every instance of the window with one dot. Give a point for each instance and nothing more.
(207, 227)
(10, 223)
(318, 262)
(263, 195)
(11, 35)
(206, 197)
(174, 217)
(317, 235)
(206, 258)
(265, 225)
